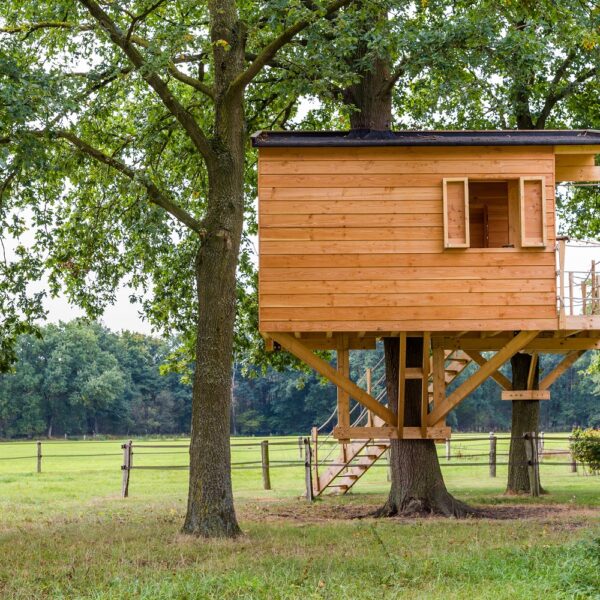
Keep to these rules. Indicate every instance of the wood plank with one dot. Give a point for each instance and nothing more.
(391, 433)
(343, 369)
(560, 368)
(575, 160)
(425, 299)
(453, 168)
(473, 382)
(326, 370)
(408, 274)
(384, 313)
(425, 366)
(506, 257)
(416, 152)
(401, 384)
(532, 370)
(577, 174)
(577, 149)
(406, 220)
(363, 193)
(498, 377)
(351, 233)
(383, 327)
(425, 286)
(327, 206)
(373, 179)
(525, 395)
(346, 247)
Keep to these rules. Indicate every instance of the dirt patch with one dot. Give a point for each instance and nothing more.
(336, 509)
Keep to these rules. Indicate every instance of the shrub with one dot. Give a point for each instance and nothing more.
(585, 447)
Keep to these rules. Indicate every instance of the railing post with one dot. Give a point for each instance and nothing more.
(583, 297)
(126, 468)
(540, 444)
(39, 457)
(264, 456)
(571, 294)
(492, 454)
(448, 451)
(300, 446)
(573, 461)
(593, 283)
(308, 470)
(532, 462)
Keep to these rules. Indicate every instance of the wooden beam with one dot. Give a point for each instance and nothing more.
(532, 368)
(526, 395)
(577, 149)
(426, 363)
(560, 368)
(299, 350)
(546, 344)
(492, 365)
(577, 174)
(439, 379)
(401, 383)
(390, 433)
(500, 379)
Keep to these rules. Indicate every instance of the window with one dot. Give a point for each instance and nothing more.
(494, 213)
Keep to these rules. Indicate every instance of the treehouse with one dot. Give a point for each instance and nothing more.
(446, 236)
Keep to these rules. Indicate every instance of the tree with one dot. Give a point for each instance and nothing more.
(417, 481)
(124, 133)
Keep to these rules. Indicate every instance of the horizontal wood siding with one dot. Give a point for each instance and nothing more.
(351, 239)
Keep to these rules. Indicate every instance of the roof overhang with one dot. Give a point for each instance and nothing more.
(319, 139)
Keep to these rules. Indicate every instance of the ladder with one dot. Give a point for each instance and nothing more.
(357, 457)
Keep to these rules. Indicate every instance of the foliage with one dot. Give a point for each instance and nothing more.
(585, 447)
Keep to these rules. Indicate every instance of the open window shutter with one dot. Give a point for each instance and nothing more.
(456, 213)
(532, 200)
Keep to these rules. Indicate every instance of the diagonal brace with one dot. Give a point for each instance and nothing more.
(299, 350)
(498, 377)
(560, 368)
(491, 366)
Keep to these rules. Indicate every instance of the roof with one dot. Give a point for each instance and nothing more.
(361, 137)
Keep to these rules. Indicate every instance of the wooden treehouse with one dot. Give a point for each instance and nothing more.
(446, 236)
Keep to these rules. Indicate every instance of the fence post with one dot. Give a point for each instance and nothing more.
(492, 454)
(540, 444)
(126, 468)
(39, 457)
(308, 470)
(531, 452)
(573, 461)
(264, 455)
(300, 446)
(448, 452)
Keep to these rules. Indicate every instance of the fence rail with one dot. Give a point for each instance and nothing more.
(460, 451)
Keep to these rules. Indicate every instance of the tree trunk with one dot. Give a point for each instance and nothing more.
(417, 483)
(210, 511)
(525, 417)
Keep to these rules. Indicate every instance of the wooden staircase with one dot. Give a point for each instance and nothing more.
(356, 458)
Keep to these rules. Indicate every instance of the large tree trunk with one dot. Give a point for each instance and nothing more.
(210, 510)
(417, 483)
(525, 418)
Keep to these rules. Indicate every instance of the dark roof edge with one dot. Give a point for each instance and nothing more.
(317, 139)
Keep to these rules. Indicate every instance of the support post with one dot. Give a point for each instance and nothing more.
(532, 463)
(583, 298)
(343, 368)
(571, 294)
(448, 452)
(308, 470)
(540, 444)
(425, 367)
(39, 457)
(300, 445)
(264, 457)
(126, 468)
(573, 461)
(593, 284)
(401, 385)
(368, 377)
(561, 276)
(492, 454)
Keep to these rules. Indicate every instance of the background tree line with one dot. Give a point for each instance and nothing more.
(81, 378)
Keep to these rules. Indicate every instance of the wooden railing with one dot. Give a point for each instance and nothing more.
(578, 291)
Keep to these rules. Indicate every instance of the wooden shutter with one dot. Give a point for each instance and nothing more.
(456, 213)
(532, 200)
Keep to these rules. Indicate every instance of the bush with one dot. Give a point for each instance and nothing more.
(585, 447)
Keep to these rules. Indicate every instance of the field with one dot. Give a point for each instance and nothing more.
(66, 532)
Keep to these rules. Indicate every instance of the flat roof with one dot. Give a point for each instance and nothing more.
(360, 137)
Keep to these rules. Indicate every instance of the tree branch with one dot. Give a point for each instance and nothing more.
(186, 120)
(269, 51)
(155, 194)
(31, 27)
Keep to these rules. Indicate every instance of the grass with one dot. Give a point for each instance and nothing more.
(66, 533)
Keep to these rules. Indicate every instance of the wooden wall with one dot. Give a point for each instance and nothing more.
(351, 239)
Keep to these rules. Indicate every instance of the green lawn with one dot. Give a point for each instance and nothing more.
(66, 533)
